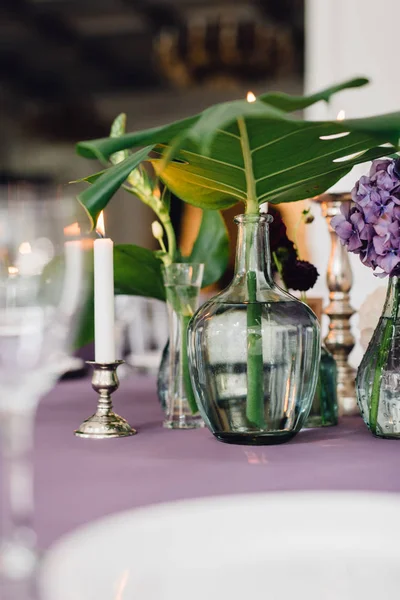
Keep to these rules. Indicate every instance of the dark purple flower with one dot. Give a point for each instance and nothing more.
(299, 275)
(277, 231)
(371, 227)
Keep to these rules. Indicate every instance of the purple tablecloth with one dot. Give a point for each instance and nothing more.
(80, 480)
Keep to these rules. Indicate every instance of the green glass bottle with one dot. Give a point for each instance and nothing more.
(324, 409)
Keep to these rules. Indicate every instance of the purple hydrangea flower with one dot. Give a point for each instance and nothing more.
(370, 226)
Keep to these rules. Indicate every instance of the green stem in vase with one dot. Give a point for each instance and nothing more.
(255, 366)
(381, 362)
(185, 365)
(169, 230)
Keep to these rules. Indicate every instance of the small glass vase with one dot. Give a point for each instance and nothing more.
(324, 409)
(378, 376)
(182, 284)
(254, 350)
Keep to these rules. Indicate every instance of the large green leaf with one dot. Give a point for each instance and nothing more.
(137, 272)
(257, 152)
(280, 167)
(85, 332)
(95, 198)
(211, 247)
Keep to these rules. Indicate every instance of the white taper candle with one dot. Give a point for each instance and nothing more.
(104, 301)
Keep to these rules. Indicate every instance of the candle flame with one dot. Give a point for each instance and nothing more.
(100, 227)
(12, 270)
(341, 115)
(72, 230)
(250, 97)
(25, 248)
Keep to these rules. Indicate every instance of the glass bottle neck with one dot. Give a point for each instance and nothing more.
(253, 251)
(391, 308)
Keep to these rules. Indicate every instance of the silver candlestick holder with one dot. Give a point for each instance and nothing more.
(340, 340)
(105, 423)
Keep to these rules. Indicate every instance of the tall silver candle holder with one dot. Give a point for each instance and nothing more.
(105, 423)
(340, 341)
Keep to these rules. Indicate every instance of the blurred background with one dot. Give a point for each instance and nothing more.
(70, 66)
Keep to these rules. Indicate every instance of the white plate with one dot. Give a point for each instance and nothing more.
(311, 546)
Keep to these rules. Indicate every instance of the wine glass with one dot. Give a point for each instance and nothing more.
(42, 288)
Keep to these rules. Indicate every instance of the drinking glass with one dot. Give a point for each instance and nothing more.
(42, 288)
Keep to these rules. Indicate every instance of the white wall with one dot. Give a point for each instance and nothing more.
(344, 39)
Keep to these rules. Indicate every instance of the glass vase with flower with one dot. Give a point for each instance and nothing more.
(370, 227)
(254, 350)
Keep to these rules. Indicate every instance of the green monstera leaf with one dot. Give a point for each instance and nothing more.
(256, 152)
(137, 272)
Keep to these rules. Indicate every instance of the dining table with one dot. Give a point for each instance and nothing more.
(81, 480)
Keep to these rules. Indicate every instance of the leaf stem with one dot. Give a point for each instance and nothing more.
(162, 213)
(255, 366)
(169, 230)
(251, 202)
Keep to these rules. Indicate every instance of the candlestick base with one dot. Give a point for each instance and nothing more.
(105, 423)
(101, 427)
(340, 340)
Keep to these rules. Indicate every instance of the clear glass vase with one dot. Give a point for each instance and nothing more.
(324, 408)
(182, 283)
(254, 350)
(163, 378)
(378, 376)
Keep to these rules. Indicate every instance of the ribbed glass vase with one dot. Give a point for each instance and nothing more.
(378, 376)
(182, 283)
(254, 350)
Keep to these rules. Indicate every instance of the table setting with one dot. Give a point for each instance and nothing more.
(256, 451)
